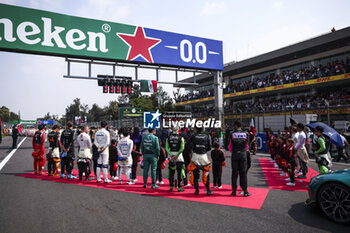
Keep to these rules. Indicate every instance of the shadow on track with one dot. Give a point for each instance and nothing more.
(312, 216)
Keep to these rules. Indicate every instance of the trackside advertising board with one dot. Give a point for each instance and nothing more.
(42, 32)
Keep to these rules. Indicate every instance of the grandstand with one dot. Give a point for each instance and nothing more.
(311, 77)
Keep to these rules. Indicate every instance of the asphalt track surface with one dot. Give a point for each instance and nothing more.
(31, 205)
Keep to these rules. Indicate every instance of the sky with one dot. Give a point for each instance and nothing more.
(34, 85)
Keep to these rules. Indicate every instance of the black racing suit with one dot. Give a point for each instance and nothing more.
(200, 145)
(239, 141)
(67, 140)
(217, 157)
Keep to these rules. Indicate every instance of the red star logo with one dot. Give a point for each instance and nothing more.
(139, 44)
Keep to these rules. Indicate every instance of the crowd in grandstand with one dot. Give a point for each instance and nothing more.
(333, 68)
(298, 103)
(337, 98)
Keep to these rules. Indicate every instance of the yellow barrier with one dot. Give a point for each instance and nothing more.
(322, 112)
(273, 88)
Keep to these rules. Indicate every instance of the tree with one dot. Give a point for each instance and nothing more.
(5, 114)
(74, 110)
(95, 113)
(168, 106)
(143, 102)
(112, 110)
(84, 109)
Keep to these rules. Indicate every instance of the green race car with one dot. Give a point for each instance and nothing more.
(331, 193)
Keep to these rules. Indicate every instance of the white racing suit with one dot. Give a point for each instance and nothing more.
(102, 141)
(124, 148)
(84, 155)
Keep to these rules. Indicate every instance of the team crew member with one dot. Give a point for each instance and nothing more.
(290, 162)
(94, 149)
(84, 156)
(14, 136)
(136, 138)
(175, 145)
(136, 157)
(320, 151)
(271, 143)
(281, 155)
(187, 155)
(239, 147)
(151, 150)
(113, 160)
(125, 146)
(39, 150)
(54, 151)
(200, 146)
(340, 149)
(102, 141)
(160, 163)
(0, 131)
(301, 150)
(67, 141)
(218, 159)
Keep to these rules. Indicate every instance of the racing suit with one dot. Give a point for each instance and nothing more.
(217, 157)
(39, 151)
(67, 141)
(200, 146)
(125, 146)
(151, 150)
(84, 155)
(320, 151)
(239, 147)
(102, 141)
(290, 162)
(54, 152)
(175, 145)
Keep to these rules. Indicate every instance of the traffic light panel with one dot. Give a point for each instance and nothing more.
(115, 84)
(129, 87)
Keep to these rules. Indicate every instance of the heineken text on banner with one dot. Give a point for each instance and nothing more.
(41, 32)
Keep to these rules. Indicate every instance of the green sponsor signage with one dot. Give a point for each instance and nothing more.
(130, 112)
(45, 32)
(41, 32)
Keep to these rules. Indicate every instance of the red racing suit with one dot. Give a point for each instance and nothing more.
(39, 150)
